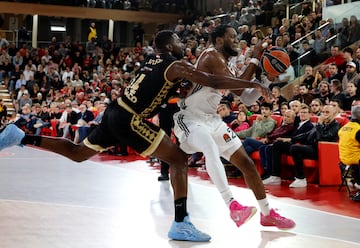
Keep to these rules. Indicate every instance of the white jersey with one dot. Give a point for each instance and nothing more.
(200, 99)
(198, 112)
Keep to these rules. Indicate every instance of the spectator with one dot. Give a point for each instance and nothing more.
(92, 34)
(351, 95)
(337, 58)
(14, 76)
(21, 81)
(24, 98)
(316, 107)
(226, 114)
(3, 43)
(17, 60)
(234, 22)
(285, 130)
(319, 43)
(319, 76)
(333, 73)
(6, 69)
(255, 108)
(354, 30)
(29, 121)
(349, 144)
(84, 117)
(351, 75)
(241, 122)
(69, 117)
(323, 92)
(326, 130)
(278, 98)
(344, 32)
(309, 77)
(337, 92)
(357, 59)
(348, 56)
(337, 104)
(310, 58)
(255, 135)
(28, 72)
(283, 107)
(3, 111)
(38, 98)
(304, 96)
(283, 145)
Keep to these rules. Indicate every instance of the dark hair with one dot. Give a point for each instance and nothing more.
(267, 105)
(226, 103)
(349, 50)
(219, 31)
(284, 103)
(163, 38)
(338, 101)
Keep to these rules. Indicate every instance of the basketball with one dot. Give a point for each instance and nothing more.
(275, 61)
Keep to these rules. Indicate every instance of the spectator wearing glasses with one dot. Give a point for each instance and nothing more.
(325, 130)
(283, 146)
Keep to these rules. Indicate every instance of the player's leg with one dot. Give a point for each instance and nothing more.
(268, 216)
(12, 135)
(200, 139)
(182, 228)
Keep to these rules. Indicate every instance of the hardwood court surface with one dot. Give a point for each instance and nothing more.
(48, 201)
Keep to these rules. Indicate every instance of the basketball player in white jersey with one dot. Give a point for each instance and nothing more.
(200, 129)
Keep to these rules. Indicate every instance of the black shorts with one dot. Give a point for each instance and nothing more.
(120, 125)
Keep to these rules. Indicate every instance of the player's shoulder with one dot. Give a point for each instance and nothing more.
(210, 55)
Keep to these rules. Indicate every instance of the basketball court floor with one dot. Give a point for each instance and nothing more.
(49, 201)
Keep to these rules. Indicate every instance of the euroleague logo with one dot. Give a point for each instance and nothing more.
(277, 65)
(226, 137)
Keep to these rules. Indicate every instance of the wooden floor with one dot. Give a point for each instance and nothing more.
(47, 201)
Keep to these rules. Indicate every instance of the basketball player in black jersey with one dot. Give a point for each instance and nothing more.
(124, 122)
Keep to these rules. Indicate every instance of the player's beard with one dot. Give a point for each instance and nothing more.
(229, 50)
(179, 55)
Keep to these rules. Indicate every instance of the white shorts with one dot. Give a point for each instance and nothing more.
(188, 124)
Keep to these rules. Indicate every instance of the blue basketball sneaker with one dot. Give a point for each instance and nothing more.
(186, 231)
(11, 135)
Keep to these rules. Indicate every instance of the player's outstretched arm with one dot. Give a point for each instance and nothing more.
(184, 70)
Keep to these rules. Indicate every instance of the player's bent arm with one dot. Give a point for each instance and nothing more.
(184, 70)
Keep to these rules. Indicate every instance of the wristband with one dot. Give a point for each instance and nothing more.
(255, 61)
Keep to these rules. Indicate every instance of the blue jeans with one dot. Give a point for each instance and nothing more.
(265, 151)
(83, 133)
(251, 145)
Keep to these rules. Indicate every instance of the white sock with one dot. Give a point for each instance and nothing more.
(264, 206)
(227, 196)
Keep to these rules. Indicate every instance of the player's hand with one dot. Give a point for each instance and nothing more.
(260, 47)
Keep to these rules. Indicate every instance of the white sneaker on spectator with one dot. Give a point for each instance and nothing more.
(37, 125)
(272, 180)
(356, 185)
(298, 183)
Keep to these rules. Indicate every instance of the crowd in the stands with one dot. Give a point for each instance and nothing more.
(72, 82)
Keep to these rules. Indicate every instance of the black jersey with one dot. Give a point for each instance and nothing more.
(151, 89)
